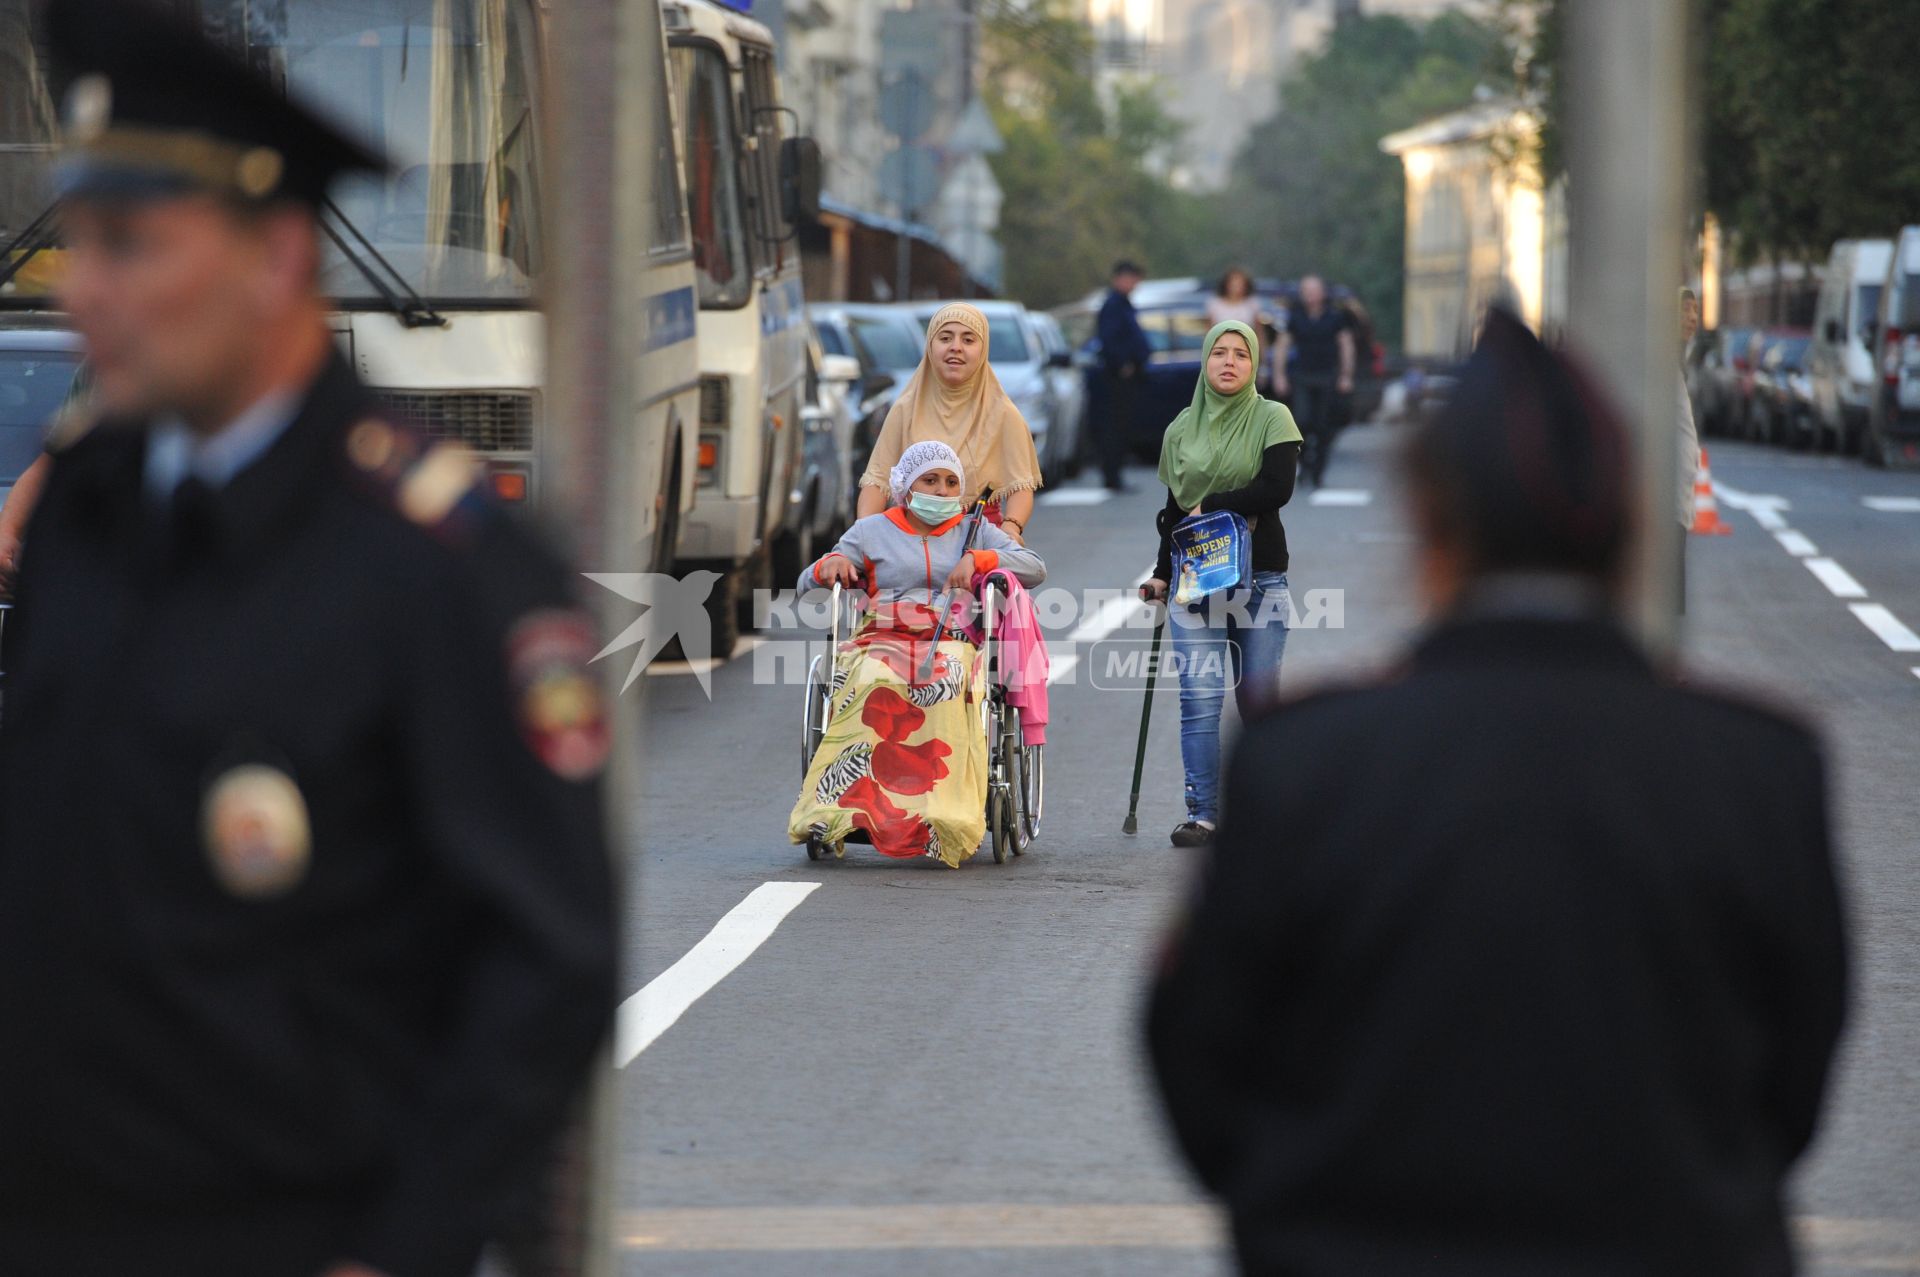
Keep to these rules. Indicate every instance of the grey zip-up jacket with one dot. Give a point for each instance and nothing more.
(903, 564)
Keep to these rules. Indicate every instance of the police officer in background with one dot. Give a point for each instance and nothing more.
(306, 927)
(1524, 960)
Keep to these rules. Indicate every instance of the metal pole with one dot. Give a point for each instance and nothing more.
(903, 264)
(1627, 136)
(597, 132)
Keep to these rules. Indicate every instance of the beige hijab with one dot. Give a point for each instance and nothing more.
(976, 419)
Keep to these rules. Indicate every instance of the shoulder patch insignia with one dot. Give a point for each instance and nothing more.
(435, 484)
(557, 702)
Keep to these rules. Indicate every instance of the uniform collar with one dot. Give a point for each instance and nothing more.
(291, 461)
(175, 452)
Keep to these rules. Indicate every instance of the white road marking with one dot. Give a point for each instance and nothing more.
(1887, 627)
(1916, 671)
(1111, 615)
(1340, 496)
(652, 1011)
(1764, 507)
(1076, 496)
(1837, 579)
(1892, 505)
(1795, 543)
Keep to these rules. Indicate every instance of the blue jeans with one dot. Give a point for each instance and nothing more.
(1234, 637)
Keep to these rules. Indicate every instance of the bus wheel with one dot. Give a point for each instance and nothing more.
(723, 612)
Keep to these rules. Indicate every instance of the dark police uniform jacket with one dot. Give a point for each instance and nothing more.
(1523, 963)
(306, 927)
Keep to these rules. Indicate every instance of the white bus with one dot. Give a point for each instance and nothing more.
(749, 184)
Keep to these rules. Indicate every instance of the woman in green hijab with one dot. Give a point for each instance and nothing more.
(1229, 450)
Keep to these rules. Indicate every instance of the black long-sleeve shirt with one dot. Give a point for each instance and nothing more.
(1258, 501)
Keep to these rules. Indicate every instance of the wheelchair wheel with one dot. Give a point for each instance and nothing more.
(1004, 788)
(1033, 778)
(816, 849)
(813, 726)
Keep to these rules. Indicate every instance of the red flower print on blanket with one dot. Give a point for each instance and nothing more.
(891, 716)
(894, 832)
(910, 769)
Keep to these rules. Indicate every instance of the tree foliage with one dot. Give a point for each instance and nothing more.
(1082, 177)
(1312, 190)
(1810, 116)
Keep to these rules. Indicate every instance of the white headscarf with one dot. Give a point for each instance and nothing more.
(921, 457)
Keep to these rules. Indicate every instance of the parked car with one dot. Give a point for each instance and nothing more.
(1744, 367)
(1066, 438)
(1893, 416)
(1839, 362)
(1782, 409)
(39, 373)
(888, 345)
(823, 488)
(1702, 372)
(1021, 360)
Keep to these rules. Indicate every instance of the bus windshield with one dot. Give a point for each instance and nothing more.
(446, 88)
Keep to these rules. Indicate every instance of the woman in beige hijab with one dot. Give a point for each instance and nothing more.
(955, 398)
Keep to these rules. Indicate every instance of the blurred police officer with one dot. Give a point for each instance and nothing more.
(1521, 961)
(305, 922)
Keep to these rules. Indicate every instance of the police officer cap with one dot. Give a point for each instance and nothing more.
(1527, 463)
(153, 108)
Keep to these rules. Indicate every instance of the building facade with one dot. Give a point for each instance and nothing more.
(1480, 228)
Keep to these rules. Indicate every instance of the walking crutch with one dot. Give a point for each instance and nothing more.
(1132, 824)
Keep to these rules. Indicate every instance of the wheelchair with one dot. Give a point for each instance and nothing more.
(1016, 772)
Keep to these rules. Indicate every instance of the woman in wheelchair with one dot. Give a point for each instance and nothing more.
(904, 755)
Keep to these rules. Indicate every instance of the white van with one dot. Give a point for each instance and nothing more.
(749, 186)
(1840, 358)
(1893, 424)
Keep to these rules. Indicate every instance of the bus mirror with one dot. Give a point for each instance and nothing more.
(800, 180)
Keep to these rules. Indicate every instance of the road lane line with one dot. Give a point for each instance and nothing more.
(1340, 496)
(1892, 505)
(1764, 507)
(1110, 616)
(652, 1011)
(1886, 627)
(1076, 496)
(1795, 543)
(1838, 580)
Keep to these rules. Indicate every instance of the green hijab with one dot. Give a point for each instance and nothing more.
(1216, 443)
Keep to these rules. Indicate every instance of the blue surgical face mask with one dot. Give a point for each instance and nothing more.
(934, 509)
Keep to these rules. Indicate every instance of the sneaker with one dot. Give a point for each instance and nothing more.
(1193, 833)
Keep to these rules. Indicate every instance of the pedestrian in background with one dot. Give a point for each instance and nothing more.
(1689, 442)
(1314, 372)
(1488, 972)
(1234, 298)
(1228, 450)
(306, 915)
(955, 398)
(1124, 351)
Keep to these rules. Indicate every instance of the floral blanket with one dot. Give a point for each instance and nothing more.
(904, 761)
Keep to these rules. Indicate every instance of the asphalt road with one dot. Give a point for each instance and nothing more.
(885, 1067)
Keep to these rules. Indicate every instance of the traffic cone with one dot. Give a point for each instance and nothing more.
(1706, 515)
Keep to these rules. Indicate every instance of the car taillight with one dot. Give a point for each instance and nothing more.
(1890, 362)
